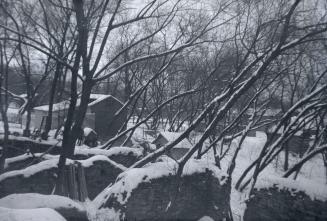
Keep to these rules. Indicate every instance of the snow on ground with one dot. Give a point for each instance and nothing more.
(44, 214)
(311, 179)
(13, 127)
(35, 200)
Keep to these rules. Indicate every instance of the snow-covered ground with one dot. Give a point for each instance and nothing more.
(13, 127)
(311, 179)
(35, 200)
(45, 214)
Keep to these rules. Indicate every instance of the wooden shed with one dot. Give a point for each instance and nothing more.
(177, 151)
(297, 144)
(99, 115)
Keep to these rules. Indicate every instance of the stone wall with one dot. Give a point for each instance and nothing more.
(40, 182)
(21, 145)
(274, 204)
(125, 156)
(126, 160)
(98, 176)
(24, 145)
(199, 195)
(21, 164)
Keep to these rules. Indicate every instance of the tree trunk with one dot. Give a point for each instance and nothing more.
(286, 149)
(286, 156)
(48, 122)
(3, 153)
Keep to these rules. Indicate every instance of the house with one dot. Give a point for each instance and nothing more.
(177, 151)
(14, 108)
(99, 116)
(297, 144)
(267, 115)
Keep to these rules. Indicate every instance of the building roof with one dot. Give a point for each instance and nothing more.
(64, 105)
(171, 136)
(100, 97)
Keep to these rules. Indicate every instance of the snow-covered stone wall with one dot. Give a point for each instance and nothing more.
(287, 200)
(122, 155)
(155, 193)
(21, 145)
(71, 210)
(100, 171)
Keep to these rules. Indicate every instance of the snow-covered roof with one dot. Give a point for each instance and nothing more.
(97, 98)
(171, 136)
(100, 97)
(56, 107)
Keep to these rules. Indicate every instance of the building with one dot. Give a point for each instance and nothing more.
(177, 151)
(14, 109)
(267, 115)
(297, 144)
(99, 116)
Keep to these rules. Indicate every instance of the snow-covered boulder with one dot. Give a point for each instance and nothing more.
(285, 200)
(30, 215)
(100, 171)
(68, 208)
(155, 193)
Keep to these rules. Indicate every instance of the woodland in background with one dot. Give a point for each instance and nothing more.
(185, 64)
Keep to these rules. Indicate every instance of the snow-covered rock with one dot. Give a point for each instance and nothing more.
(285, 199)
(100, 171)
(155, 191)
(45, 214)
(206, 218)
(314, 190)
(63, 205)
